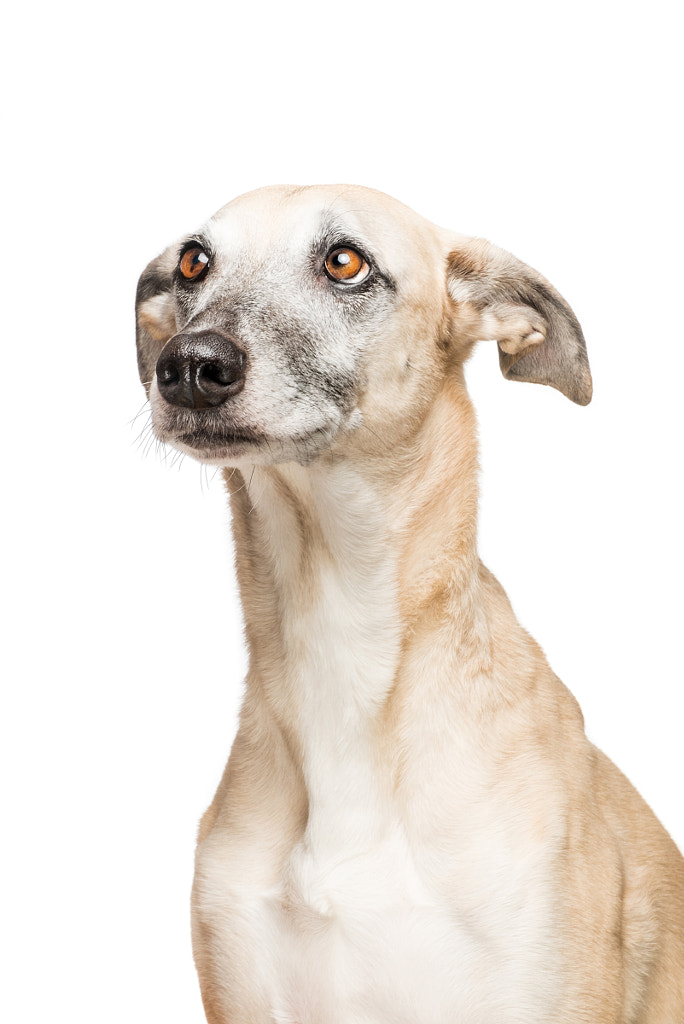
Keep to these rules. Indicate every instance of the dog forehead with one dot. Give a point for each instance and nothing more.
(291, 218)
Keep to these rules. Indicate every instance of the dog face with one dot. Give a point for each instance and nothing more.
(299, 318)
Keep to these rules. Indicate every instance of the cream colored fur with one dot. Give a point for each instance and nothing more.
(412, 827)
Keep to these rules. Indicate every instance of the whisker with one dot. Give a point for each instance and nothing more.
(152, 441)
(139, 413)
(204, 477)
(161, 452)
(227, 478)
(243, 485)
(256, 499)
(143, 436)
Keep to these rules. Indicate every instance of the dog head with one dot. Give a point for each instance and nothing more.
(297, 317)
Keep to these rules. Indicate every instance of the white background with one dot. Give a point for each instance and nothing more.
(551, 129)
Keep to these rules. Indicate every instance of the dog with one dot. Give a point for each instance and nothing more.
(412, 827)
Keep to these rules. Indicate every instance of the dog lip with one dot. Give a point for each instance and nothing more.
(210, 439)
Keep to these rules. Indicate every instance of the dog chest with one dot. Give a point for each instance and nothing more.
(367, 937)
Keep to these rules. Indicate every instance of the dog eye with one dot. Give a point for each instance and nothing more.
(193, 263)
(346, 265)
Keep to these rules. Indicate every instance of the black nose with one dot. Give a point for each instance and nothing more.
(200, 371)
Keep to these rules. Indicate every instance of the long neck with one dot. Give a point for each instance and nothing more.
(341, 560)
(357, 574)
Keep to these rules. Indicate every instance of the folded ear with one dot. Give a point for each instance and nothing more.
(538, 334)
(155, 318)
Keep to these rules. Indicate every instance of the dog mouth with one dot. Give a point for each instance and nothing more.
(220, 443)
(207, 438)
(202, 430)
(209, 443)
(230, 436)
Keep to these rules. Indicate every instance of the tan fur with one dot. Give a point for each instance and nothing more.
(556, 873)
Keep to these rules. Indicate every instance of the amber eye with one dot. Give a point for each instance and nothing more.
(193, 263)
(346, 265)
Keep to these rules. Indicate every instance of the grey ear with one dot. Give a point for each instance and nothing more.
(155, 318)
(538, 335)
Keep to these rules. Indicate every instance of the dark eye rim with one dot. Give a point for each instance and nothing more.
(359, 252)
(188, 247)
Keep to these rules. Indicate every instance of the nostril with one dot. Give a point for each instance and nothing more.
(168, 374)
(222, 374)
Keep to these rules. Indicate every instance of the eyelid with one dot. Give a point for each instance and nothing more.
(349, 243)
(196, 243)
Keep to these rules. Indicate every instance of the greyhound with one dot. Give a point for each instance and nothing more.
(412, 826)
